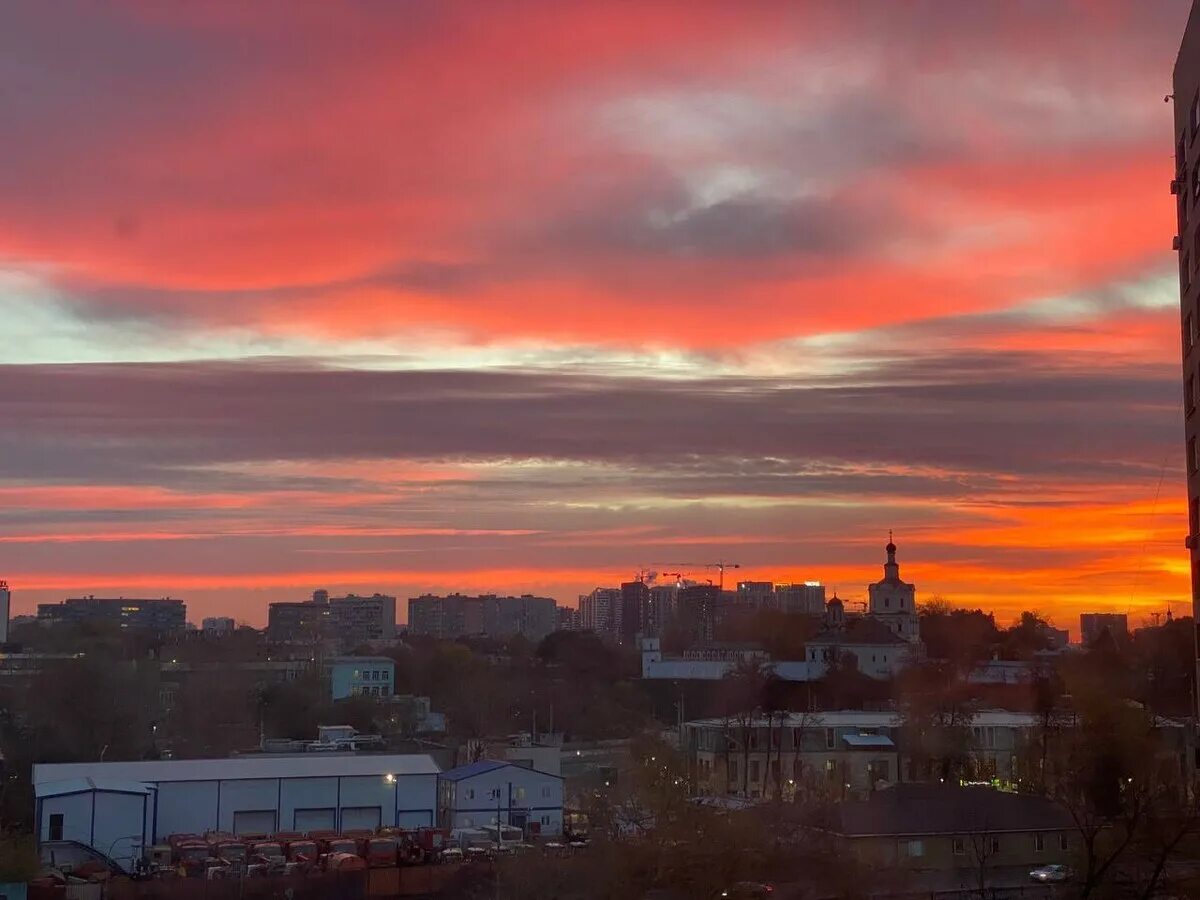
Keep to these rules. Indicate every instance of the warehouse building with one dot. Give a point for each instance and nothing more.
(483, 792)
(120, 807)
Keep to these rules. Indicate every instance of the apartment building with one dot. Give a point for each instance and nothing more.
(489, 615)
(162, 615)
(853, 751)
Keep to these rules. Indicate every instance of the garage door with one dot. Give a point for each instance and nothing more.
(414, 819)
(254, 821)
(315, 820)
(357, 817)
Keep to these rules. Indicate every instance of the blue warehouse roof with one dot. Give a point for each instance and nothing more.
(489, 765)
(472, 769)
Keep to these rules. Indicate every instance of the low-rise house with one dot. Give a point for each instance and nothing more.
(756, 757)
(489, 791)
(950, 828)
(830, 744)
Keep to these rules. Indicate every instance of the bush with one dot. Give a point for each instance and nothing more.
(18, 857)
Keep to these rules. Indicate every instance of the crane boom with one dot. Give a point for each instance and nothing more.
(720, 566)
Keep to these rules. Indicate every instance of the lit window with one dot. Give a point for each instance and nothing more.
(916, 848)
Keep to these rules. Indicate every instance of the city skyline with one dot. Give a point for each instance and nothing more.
(431, 298)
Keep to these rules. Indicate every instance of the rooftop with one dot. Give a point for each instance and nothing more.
(860, 630)
(470, 770)
(307, 765)
(859, 718)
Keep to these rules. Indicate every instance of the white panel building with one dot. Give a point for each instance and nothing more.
(483, 792)
(142, 803)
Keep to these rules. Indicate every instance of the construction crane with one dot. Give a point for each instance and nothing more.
(644, 575)
(720, 566)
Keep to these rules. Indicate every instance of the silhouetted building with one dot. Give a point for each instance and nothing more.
(488, 615)
(1186, 188)
(802, 599)
(635, 595)
(755, 595)
(568, 619)
(1092, 625)
(304, 620)
(699, 605)
(600, 610)
(5, 609)
(351, 619)
(217, 624)
(159, 615)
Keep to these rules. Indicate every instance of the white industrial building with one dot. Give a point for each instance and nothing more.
(482, 793)
(119, 807)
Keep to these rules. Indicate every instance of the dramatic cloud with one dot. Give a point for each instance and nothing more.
(435, 295)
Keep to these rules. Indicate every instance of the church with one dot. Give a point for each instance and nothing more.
(883, 640)
(893, 602)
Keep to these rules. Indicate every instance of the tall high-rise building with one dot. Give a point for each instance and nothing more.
(1186, 188)
(807, 598)
(5, 609)
(698, 608)
(635, 597)
(599, 611)
(756, 595)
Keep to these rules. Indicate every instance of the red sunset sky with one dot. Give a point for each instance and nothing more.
(520, 296)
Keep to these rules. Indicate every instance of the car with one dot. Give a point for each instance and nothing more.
(747, 890)
(1052, 874)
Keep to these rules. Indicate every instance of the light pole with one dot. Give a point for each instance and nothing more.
(128, 837)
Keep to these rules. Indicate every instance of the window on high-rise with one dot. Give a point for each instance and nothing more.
(1194, 516)
(1185, 271)
(1191, 456)
(1189, 394)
